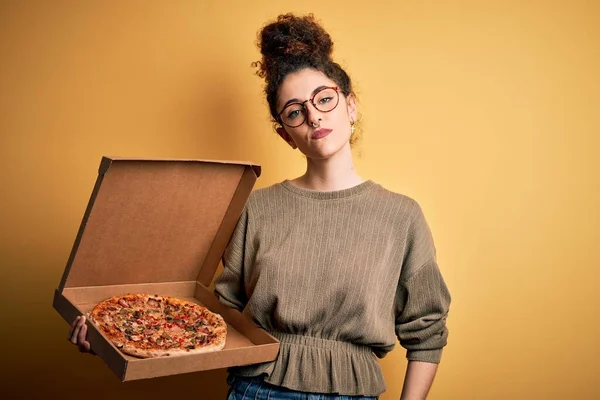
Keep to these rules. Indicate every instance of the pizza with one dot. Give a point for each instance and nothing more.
(147, 326)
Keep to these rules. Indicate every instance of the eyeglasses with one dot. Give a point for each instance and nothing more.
(324, 100)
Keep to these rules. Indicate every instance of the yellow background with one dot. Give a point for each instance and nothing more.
(485, 112)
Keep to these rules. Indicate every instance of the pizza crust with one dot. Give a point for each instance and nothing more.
(133, 351)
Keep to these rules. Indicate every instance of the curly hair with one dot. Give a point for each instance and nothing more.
(291, 44)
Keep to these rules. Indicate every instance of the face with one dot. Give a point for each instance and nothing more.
(322, 134)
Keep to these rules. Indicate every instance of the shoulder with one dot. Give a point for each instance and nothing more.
(265, 194)
(418, 233)
(266, 191)
(408, 205)
(264, 199)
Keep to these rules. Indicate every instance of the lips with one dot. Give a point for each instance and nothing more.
(321, 133)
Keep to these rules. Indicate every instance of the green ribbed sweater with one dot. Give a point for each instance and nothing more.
(337, 277)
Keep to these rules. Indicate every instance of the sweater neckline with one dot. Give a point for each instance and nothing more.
(328, 195)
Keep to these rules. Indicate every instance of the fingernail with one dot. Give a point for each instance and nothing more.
(83, 319)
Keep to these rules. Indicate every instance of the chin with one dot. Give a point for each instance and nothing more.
(326, 152)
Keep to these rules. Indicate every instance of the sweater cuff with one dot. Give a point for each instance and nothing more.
(430, 356)
(229, 303)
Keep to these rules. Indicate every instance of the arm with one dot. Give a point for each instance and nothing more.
(422, 305)
(418, 380)
(229, 286)
(423, 302)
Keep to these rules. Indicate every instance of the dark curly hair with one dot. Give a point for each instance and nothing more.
(291, 44)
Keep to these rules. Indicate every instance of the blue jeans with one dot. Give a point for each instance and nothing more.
(242, 388)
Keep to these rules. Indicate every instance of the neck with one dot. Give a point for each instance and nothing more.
(334, 173)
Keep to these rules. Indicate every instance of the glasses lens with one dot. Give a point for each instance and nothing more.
(293, 115)
(326, 100)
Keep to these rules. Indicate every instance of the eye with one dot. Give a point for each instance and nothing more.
(293, 114)
(293, 111)
(325, 100)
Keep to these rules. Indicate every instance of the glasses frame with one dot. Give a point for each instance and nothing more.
(312, 101)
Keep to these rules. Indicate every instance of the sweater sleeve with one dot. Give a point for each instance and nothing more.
(229, 286)
(422, 298)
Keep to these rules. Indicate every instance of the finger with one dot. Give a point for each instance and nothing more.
(80, 323)
(81, 337)
(73, 325)
(75, 334)
(85, 347)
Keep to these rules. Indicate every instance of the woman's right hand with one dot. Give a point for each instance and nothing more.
(78, 335)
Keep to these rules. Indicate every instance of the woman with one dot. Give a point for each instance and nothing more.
(334, 266)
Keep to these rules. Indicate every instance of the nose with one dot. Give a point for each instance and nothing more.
(313, 116)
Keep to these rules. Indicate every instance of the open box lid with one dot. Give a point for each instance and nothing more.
(154, 221)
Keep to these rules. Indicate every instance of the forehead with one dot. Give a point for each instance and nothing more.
(301, 84)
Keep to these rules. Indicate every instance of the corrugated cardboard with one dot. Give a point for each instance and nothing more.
(161, 227)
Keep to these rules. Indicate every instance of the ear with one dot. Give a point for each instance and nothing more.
(352, 107)
(285, 136)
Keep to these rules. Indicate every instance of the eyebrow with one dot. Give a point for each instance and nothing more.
(295, 100)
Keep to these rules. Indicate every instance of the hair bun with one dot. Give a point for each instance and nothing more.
(292, 36)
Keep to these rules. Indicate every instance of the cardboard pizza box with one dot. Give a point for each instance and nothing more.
(161, 227)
